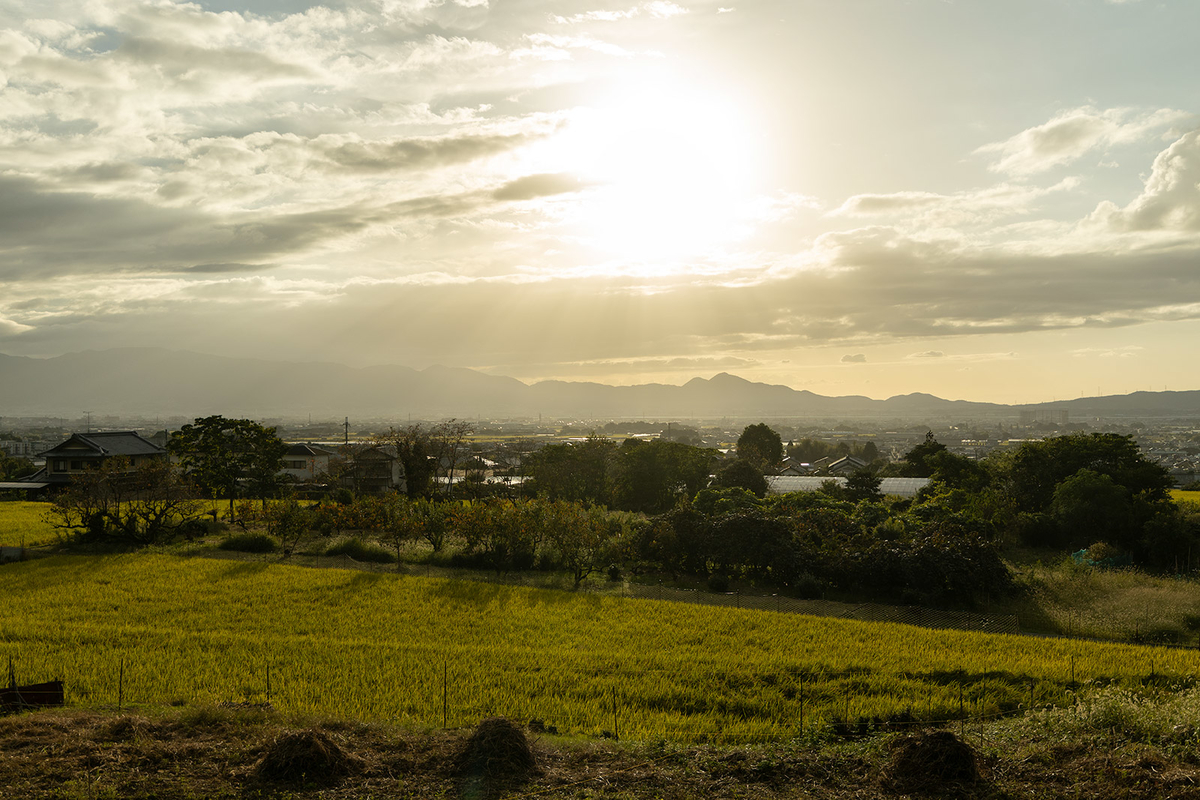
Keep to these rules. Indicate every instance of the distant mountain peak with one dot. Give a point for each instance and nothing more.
(156, 381)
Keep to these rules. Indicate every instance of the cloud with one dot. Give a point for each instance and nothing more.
(1073, 133)
(1170, 199)
(657, 9)
(597, 16)
(386, 156)
(857, 358)
(531, 186)
(10, 328)
(928, 354)
(1129, 351)
(663, 9)
(50, 233)
(548, 43)
(180, 61)
(217, 269)
(985, 205)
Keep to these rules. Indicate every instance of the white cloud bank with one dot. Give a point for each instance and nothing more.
(1074, 133)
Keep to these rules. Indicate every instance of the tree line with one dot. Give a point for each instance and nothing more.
(668, 507)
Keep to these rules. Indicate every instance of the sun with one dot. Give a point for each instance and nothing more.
(670, 169)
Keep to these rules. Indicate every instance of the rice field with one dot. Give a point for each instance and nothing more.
(158, 629)
(24, 523)
(1181, 496)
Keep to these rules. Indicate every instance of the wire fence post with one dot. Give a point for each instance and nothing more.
(801, 703)
(445, 694)
(616, 731)
(981, 723)
(962, 720)
(121, 685)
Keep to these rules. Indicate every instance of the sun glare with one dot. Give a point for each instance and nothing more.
(670, 171)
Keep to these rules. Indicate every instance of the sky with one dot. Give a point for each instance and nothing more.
(995, 201)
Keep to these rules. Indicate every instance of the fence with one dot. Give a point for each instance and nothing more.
(732, 707)
(713, 695)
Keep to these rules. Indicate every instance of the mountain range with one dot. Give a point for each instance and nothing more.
(158, 382)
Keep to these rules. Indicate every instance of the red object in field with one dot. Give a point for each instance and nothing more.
(36, 695)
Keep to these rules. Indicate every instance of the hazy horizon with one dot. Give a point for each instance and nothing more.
(996, 202)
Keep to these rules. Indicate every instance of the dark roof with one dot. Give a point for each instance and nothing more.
(109, 443)
(379, 452)
(307, 450)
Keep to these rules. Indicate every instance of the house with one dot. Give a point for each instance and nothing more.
(376, 468)
(84, 451)
(794, 466)
(304, 462)
(899, 487)
(846, 466)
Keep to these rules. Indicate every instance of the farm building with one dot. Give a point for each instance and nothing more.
(900, 487)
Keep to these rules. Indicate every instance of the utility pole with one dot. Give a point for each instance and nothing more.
(346, 425)
(89, 421)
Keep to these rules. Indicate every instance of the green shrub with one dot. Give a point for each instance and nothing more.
(359, 550)
(808, 587)
(250, 543)
(718, 584)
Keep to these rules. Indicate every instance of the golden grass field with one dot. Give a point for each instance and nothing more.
(24, 523)
(409, 649)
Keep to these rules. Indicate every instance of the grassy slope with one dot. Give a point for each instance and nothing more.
(23, 522)
(377, 646)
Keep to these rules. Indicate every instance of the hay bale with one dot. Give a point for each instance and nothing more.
(930, 760)
(497, 754)
(304, 756)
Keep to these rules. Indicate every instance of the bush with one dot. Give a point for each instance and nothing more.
(250, 543)
(809, 587)
(198, 527)
(359, 550)
(718, 584)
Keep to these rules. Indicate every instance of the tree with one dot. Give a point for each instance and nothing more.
(1033, 473)
(1091, 507)
(288, 522)
(952, 471)
(579, 471)
(491, 531)
(113, 502)
(448, 439)
(414, 449)
(15, 467)
(650, 476)
(582, 537)
(863, 485)
(219, 453)
(810, 450)
(741, 474)
(917, 461)
(760, 445)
